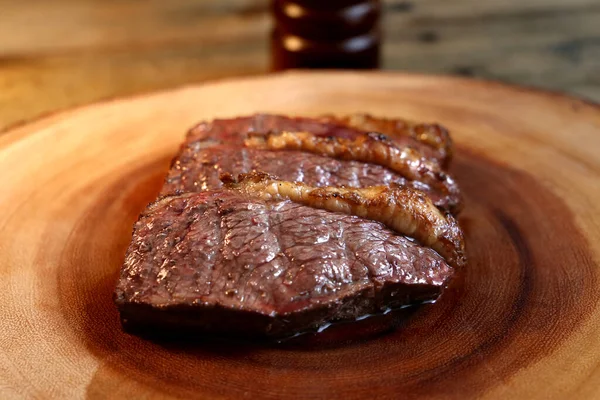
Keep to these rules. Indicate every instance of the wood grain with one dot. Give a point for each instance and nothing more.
(523, 321)
(63, 53)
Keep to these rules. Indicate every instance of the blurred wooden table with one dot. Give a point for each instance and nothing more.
(61, 53)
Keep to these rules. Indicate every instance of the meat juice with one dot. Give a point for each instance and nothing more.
(342, 34)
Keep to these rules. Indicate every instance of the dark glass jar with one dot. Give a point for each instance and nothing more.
(326, 34)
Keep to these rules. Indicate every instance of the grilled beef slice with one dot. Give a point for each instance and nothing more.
(222, 261)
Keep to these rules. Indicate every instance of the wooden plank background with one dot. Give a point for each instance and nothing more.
(56, 54)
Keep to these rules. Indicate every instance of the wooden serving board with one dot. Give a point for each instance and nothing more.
(522, 321)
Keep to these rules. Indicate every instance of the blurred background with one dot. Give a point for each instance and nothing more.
(61, 53)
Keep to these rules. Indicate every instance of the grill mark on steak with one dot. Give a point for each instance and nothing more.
(407, 211)
(371, 148)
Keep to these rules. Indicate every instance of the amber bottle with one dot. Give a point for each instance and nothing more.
(341, 34)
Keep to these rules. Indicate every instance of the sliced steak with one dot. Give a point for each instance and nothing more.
(291, 241)
(212, 149)
(225, 261)
(431, 140)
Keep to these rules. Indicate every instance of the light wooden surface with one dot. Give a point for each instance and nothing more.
(521, 322)
(61, 53)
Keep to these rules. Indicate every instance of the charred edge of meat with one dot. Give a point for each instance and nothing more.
(372, 147)
(432, 135)
(405, 210)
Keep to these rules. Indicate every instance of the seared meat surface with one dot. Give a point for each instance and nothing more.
(274, 267)
(407, 211)
(271, 225)
(432, 140)
(372, 148)
(241, 146)
(432, 135)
